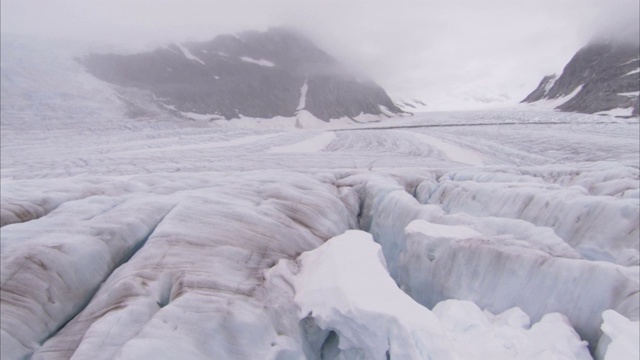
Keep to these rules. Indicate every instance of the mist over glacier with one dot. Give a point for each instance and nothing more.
(448, 54)
(502, 234)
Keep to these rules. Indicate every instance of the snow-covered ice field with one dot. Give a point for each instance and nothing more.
(502, 234)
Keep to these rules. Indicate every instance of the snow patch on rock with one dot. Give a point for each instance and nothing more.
(189, 55)
(261, 62)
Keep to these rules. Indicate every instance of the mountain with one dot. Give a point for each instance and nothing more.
(253, 74)
(602, 78)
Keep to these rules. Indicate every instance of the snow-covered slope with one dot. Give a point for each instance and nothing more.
(161, 238)
(412, 105)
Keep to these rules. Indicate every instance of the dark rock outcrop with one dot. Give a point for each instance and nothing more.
(543, 88)
(254, 74)
(606, 73)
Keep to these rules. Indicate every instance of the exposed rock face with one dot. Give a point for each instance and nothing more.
(543, 88)
(605, 76)
(262, 75)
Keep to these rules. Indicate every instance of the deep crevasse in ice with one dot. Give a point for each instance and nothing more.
(501, 262)
(350, 308)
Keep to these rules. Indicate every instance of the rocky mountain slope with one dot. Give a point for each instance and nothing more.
(602, 77)
(254, 74)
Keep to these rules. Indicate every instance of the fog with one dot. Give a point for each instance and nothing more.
(450, 54)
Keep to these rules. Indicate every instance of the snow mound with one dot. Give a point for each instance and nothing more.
(352, 309)
(620, 338)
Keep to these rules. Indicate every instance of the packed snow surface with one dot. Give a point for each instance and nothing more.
(128, 232)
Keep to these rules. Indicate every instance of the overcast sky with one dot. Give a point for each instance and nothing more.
(449, 53)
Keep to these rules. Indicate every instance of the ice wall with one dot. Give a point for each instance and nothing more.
(349, 308)
(476, 245)
(598, 218)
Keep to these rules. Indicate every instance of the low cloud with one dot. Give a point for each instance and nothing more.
(444, 52)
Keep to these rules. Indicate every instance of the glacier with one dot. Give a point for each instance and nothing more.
(506, 234)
